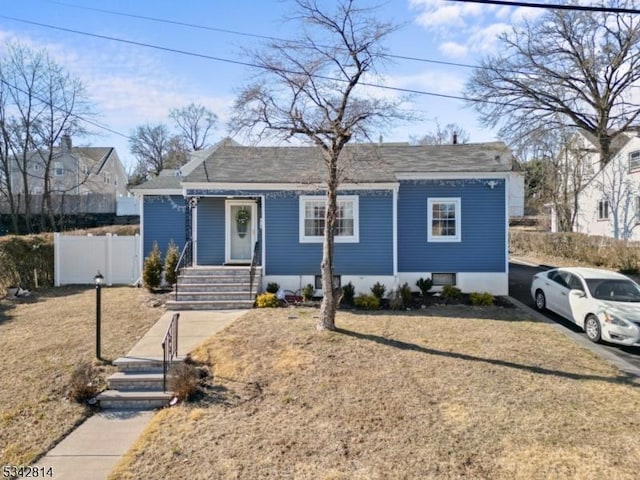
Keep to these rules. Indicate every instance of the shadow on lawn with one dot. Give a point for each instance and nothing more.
(627, 379)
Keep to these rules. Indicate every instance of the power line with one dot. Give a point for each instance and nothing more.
(237, 62)
(240, 33)
(553, 6)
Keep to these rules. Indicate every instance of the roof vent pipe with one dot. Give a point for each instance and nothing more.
(455, 138)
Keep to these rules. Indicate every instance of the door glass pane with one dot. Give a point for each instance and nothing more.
(240, 233)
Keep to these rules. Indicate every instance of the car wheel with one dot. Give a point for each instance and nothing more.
(541, 301)
(592, 328)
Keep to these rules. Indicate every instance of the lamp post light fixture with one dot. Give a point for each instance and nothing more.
(98, 280)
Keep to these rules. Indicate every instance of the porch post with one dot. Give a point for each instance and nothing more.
(190, 227)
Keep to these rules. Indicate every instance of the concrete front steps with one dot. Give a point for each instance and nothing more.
(136, 386)
(216, 288)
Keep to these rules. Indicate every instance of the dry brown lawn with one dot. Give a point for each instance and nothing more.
(450, 392)
(42, 339)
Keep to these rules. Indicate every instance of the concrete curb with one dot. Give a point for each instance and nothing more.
(621, 364)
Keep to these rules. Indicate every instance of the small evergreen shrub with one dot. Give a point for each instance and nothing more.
(267, 300)
(171, 259)
(307, 292)
(152, 270)
(449, 292)
(83, 384)
(483, 298)
(183, 380)
(378, 290)
(406, 295)
(273, 287)
(348, 293)
(367, 302)
(424, 284)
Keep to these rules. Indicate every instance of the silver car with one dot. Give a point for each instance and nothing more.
(605, 304)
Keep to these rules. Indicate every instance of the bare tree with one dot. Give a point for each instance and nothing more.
(156, 149)
(195, 123)
(450, 133)
(567, 67)
(309, 89)
(41, 101)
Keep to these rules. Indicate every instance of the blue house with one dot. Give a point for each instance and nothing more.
(247, 216)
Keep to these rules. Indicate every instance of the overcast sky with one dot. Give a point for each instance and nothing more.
(132, 85)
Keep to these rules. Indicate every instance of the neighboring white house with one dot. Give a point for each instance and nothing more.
(609, 204)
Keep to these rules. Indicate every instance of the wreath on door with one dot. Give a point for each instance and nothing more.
(242, 221)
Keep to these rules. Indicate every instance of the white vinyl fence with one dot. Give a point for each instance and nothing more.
(78, 259)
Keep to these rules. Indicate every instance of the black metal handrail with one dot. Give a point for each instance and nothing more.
(169, 348)
(186, 258)
(252, 270)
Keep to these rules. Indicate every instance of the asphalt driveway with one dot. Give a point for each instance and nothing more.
(520, 275)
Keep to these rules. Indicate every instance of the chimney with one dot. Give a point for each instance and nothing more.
(380, 140)
(65, 143)
(455, 138)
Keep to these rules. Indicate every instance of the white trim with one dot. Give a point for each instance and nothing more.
(310, 187)
(450, 175)
(194, 233)
(167, 191)
(355, 238)
(507, 211)
(263, 250)
(394, 226)
(227, 230)
(458, 209)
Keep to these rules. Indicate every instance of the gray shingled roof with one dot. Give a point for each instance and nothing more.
(363, 163)
(161, 182)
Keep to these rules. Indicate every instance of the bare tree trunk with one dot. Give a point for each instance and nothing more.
(329, 300)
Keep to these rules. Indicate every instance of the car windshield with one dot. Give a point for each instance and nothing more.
(614, 290)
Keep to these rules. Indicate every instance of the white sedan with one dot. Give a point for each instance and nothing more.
(605, 304)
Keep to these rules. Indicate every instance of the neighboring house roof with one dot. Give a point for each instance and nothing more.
(617, 143)
(362, 162)
(161, 182)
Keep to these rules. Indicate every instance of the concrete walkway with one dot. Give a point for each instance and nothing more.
(93, 449)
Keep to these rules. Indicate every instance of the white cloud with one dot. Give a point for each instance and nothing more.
(435, 81)
(453, 49)
(522, 14)
(486, 39)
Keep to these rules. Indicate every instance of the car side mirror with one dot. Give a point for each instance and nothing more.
(577, 293)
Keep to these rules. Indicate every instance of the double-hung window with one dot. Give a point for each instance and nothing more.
(312, 212)
(603, 209)
(58, 169)
(634, 161)
(443, 220)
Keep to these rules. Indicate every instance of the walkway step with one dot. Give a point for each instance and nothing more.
(138, 400)
(199, 286)
(210, 305)
(147, 364)
(214, 296)
(143, 380)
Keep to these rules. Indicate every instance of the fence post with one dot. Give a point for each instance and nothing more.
(109, 259)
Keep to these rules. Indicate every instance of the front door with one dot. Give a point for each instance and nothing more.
(241, 230)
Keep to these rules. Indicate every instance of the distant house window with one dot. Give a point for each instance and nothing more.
(441, 279)
(634, 161)
(58, 169)
(603, 209)
(312, 210)
(36, 167)
(637, 209)
(107, 177)
(443, 220)
(85, 169)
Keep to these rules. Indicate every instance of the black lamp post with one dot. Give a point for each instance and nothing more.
(98, 281)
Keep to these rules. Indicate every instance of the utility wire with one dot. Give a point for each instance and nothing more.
(553, 6)
(241, 63)
(239, 33)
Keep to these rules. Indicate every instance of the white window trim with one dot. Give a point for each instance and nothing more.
(355, 238)
(603, 203)
(437, 238)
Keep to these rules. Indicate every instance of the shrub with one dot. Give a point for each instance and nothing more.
(20, 256)
(424, 284)
(307, 292)
(449, 292)
(267, 300)
(273, 287)
(83, 384)
(171, 259)
(378, 290)
(348, 292)
(483, 298)
(183, 380)
(367, 302)
(401, 298)
(152, 270)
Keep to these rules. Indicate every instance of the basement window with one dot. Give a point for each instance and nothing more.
(441, 279)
